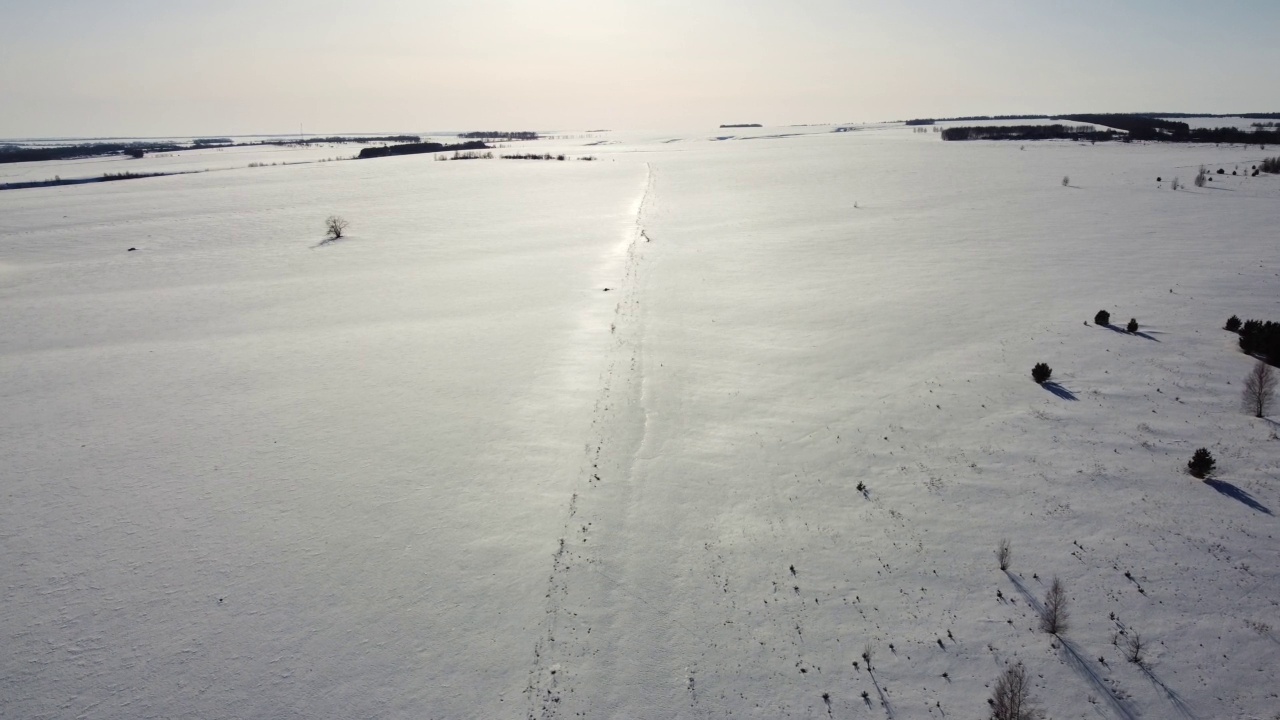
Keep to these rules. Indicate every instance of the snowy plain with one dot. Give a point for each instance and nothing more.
(584, 439)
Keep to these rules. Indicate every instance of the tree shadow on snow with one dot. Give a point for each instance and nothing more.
(1087, 671)
(1237, 493)
(1060, 391)
(1026, 594)
(1178, 702)
(1122, 331)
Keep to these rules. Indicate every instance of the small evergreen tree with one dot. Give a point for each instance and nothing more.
(1132, 327)
(1233, 324)
(1102, 318)
(1201, 463)
(1040, 373)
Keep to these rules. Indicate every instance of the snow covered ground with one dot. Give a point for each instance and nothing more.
(585, 439)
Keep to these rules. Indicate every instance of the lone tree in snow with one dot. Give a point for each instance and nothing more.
(1102, 318)
(1233, 324)
(1259, 390)
(1011, 699)
(1040, 373)
(1201, 463)
(1201, 176)
(1066, 180)
(1054, 619)
(1133, 647)
(335, 226)
(1132, 327)
(1004, 553)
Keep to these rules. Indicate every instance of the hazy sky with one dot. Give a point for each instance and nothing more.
(150, 67)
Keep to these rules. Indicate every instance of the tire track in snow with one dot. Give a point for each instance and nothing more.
(581, 596)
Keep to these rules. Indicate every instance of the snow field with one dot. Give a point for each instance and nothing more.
(435, 470)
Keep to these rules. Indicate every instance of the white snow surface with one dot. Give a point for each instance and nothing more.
(584, 439)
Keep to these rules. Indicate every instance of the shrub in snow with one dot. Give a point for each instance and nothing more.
(1176, 184)
(1133, 647)
(1132, 327)
(1054, 619)
(1201, 463)
(1201, 176)
(1066, 181)
(1041, 372)
(1004, 553)
(1102, 318)
(1233, 324)
(1259, 390)
(335, 226)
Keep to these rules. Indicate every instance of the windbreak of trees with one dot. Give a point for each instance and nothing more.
(500, 134)
(1142, 127)
(418, 148)
(71, 152)
(1028, 132)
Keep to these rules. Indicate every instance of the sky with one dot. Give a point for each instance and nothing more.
(85, 68)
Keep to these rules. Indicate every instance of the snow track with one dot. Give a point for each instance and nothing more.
(577, 648)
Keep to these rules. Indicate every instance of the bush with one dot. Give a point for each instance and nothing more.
(1040, 373)
(1132, 327)
(1004, 553)
(1233, 324)
(1102, 318)
(335, 227)
(1201, 463)
(1200, 177)
(1066, 180)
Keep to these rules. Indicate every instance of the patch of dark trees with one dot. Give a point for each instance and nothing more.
(736, 125)
(1258, 338)
(419, 148)
(500, 134)
(1270, 165)
(923, 121)
(1028, 132)
(75, 152)
(1135, 127)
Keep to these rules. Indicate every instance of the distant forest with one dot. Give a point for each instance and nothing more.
(13, 154)
(1136, 127)
(500, 134)
(418, 148)
(1028, 132)
(975, 118)
(740, 125)
(18, 153)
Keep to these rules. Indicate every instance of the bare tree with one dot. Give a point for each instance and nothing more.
(1011, 699)
(1200, 177)
(335, 226)
(1259, 390)
(1133, 647)
(1004, 553)
(1054, 620)
(1066, 180)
